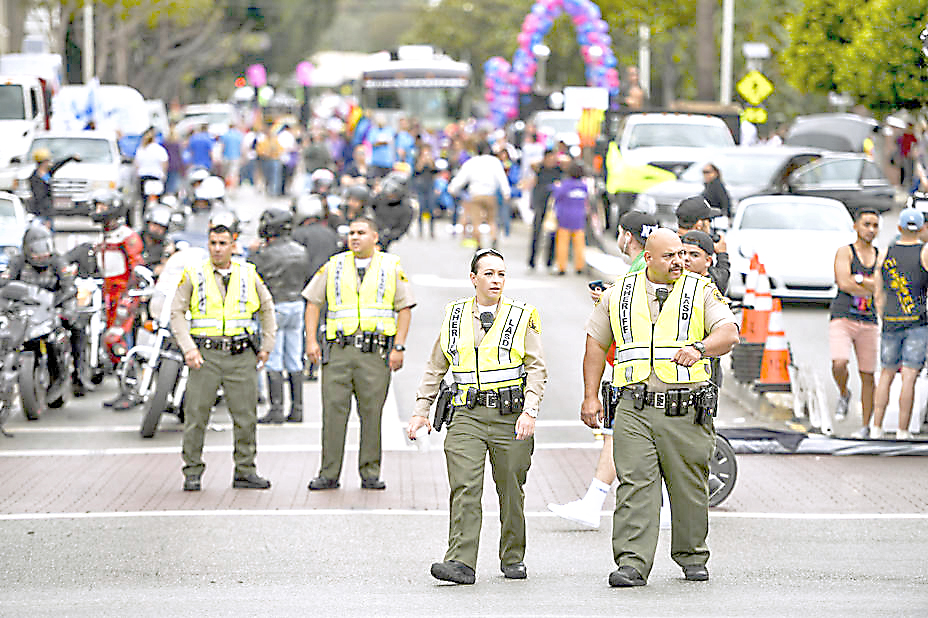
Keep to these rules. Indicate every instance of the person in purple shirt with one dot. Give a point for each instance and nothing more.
(571, 201)
(200, 148)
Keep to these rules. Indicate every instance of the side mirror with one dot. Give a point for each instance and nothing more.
(16, 160)
(145, 274)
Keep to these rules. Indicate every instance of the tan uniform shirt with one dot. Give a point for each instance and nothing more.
(314, 292)
(438, 365)
(716, 313)
(180, 326)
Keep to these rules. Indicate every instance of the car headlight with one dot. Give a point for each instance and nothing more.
(645, 203)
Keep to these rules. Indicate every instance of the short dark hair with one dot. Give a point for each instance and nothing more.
(865, 210)
(481, 253)
(483, 148)
(369, 220)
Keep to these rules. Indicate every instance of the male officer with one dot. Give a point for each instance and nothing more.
(369, 303)
(666, 324)
(222, 295)
(492, 345)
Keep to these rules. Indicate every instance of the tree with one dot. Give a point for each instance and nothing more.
(869, 50)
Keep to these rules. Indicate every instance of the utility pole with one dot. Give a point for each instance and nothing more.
(87, 59)
(728, 43)
(644, 59)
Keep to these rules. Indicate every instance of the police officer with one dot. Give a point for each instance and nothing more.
(492, 345)
(222, 295)
(667, 324)
(392, 209)
(283, 266)
(156, 246)
(369, 306)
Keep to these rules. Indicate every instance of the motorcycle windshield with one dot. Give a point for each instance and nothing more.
(166, 285)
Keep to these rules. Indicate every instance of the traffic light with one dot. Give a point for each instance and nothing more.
(240, 82)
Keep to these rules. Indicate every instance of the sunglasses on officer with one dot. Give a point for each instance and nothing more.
(481, 253)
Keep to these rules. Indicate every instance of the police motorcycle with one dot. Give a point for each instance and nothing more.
(44, 368)
(15, 303)
(91, 313)
(162, 376)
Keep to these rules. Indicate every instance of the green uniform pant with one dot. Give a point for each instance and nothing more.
(239, 379)
(646, 446)
(366, 376)
(473, 434)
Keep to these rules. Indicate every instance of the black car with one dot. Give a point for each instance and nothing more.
(853, 179)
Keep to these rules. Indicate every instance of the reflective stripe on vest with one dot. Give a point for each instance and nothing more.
(498, 361)
(642, 346)
(211, 315)
(371, 307)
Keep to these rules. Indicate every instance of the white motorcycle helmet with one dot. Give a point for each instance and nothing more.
(212, 188)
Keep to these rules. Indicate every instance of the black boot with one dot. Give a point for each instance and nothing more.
(296, 397)
(275, 388)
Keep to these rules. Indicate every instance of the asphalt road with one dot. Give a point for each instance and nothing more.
(93, 522)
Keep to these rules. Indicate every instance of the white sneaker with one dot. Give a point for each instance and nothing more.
(903, 434)
(876, 433)
(577, 512)
(843, 403)
(861, 434)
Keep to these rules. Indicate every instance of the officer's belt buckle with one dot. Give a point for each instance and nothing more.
(660, 400)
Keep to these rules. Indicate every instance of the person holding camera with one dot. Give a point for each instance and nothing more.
(666, 323)
(492, 346)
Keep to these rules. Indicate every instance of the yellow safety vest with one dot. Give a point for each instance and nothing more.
(215, 316)
(498, 361)
(371, 307)
(641, 346)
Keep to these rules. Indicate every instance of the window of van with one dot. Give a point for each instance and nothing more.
(11, 102)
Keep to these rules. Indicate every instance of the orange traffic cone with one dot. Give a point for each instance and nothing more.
(754, 321)
(774, 367)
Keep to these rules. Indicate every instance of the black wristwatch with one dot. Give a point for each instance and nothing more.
(399, 347)
(700, 347)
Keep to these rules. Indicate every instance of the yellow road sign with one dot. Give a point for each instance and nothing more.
(754, 87)
(756, 115)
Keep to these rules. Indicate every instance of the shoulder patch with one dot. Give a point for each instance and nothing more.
(718, 295)
(401, 274)
(534, 323)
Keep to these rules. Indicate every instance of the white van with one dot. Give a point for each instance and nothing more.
(121, 109)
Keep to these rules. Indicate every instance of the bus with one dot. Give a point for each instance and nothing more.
(416, 82)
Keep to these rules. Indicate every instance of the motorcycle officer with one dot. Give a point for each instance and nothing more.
(156, 246)
(117, 256)
(284, 266)
(39, 265)
(392, 209)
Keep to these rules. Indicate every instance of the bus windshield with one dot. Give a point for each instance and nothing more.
(429, 105)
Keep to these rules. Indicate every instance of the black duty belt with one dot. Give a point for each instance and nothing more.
(365, 341)
(489, 399)
(235, 345)
(659, 399)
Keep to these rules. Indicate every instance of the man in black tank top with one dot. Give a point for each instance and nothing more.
(902, 282)
(853, 317)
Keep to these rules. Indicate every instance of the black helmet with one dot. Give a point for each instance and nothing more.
(392, 190)
(106, 206)
(38, 246)
(274, 222)
(222, 220)
(358, 192)
(160, 216)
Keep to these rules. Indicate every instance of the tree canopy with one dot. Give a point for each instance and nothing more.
(868, 49)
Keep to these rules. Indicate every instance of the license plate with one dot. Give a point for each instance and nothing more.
(62, 203)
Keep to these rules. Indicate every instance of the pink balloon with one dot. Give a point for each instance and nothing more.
(257, 75)
(304, 73)
(524, 39)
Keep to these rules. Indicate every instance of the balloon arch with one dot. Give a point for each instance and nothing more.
(504, 82)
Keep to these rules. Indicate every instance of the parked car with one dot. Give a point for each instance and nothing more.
(854, 179)
(795, 237)
(744, 172)
(101, 167)
(836, 132)
(13, 220)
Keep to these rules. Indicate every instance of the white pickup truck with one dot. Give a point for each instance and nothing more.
(23, 112)
(670, 140)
